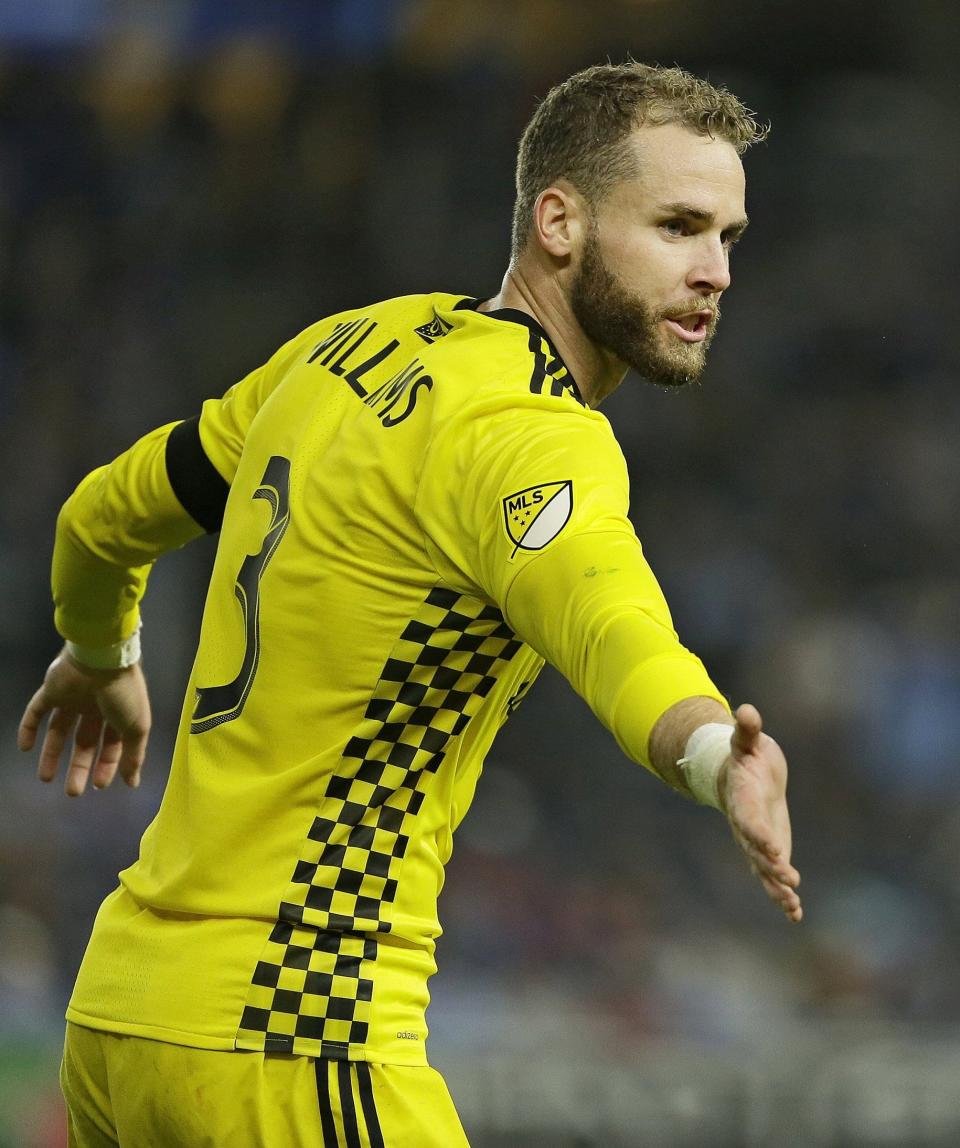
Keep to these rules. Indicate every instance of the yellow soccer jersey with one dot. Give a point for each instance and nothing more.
(415, 509)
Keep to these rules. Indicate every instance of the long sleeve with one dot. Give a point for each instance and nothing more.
(169, 488)
(592, 607)
(111, 530)
(526, 498)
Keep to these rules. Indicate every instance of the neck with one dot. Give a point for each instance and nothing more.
(598, 372)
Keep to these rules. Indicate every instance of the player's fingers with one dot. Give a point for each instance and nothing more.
(132, 755)
(784, 874)
(760, 827)
(106, 768)
(59, 729)
(86, 745)
(783, 896)
(775, 865)
(746, 733)
(763, 830)
(779, 870)
(37, 709)
(756, 833)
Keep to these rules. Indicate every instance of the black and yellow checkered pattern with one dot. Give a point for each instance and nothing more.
(312, 986)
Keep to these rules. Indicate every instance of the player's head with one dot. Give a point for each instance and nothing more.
(631, 189)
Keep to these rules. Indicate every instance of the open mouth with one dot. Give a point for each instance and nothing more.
(692, 327)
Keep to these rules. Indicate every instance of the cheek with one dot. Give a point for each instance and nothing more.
(628, 246)
(644, 264)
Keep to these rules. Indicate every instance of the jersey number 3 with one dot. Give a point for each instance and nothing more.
(218, 704)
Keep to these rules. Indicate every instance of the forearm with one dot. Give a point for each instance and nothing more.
(118, 521)
(594, 610)
(673, 729)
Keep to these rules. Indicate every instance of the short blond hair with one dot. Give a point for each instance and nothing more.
(578, 130)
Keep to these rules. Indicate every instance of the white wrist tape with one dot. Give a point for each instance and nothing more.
(116, 657)
(707, 748)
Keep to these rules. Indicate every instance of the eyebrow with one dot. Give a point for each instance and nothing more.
(735, 229)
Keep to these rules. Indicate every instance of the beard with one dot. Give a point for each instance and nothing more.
(624, 325)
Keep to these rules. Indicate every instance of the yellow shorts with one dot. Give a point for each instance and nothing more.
(141, 1093)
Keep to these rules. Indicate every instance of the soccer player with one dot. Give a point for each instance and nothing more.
(418, 503)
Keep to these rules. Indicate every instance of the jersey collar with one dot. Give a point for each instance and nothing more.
(513, 315)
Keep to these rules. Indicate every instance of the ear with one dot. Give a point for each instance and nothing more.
(558, 219)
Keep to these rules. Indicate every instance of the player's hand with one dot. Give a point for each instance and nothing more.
(102, 717)
(753, 792)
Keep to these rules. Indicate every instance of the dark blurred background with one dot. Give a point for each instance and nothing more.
(184, 184)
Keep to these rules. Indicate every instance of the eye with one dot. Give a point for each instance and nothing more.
(676, 228)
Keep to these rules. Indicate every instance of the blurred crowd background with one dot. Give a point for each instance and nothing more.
(184, 184)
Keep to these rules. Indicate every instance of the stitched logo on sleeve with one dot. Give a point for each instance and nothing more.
(535, 516)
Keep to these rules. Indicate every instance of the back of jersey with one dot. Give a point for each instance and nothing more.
(342, 700)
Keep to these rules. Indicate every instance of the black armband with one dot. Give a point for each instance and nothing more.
(196, 482)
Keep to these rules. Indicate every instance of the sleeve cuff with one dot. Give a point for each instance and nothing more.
(653, 687)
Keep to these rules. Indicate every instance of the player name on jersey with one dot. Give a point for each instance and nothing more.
(342, 348)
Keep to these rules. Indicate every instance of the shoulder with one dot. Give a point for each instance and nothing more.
(516, 412)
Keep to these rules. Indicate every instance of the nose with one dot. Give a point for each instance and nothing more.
(710, 274)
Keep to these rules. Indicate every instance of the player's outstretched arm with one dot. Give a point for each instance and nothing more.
(102, 718)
